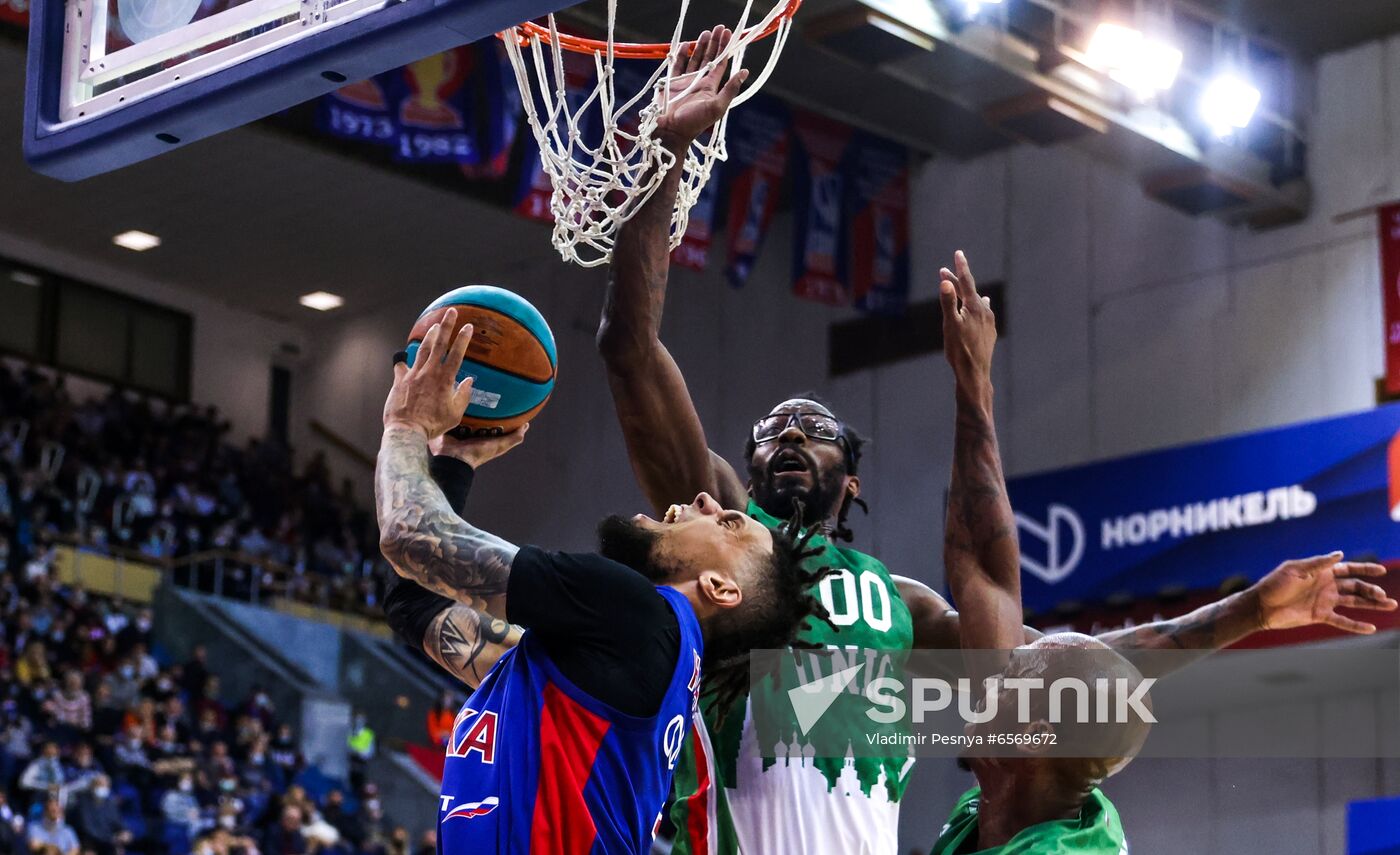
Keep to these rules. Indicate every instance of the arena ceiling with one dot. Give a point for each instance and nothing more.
(255, 218)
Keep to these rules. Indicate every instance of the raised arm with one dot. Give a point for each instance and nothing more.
(665, 440)
(1301, 592)
(420, 535)
(979, 541)
(463, 640)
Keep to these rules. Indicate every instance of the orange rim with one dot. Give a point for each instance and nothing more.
(530, 31)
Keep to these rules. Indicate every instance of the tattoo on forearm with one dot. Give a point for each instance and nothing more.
(1208, 628)
(421, 535)
(463, 635)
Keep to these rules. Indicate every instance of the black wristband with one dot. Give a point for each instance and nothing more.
(410, 609)
(454, 477)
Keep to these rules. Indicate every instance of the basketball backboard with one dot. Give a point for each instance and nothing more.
(113, 82)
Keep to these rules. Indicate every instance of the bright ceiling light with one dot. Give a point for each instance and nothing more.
(1144, 65)
(1228, 104)
(321, 301)
(136, 240)
(971, 8)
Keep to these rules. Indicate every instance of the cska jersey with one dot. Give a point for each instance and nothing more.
(535, 766)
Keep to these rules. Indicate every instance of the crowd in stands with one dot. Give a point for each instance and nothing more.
(127, 474)
(104, 747)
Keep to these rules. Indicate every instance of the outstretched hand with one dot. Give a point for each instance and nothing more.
(427, 397)
(969, 326)
(1309, 591)
(689, 113)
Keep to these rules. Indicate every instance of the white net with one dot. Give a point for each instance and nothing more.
(599, 146)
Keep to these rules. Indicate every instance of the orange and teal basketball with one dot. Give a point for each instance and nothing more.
(511, 355)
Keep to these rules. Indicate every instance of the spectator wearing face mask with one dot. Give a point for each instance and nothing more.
(123, 684)
(98, 819)
(259, 706)
(51, 835)
(133, 762)
(180, 808)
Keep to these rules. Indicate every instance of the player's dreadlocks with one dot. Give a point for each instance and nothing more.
(785, 604)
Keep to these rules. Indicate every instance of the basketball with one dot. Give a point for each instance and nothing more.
(511, 356)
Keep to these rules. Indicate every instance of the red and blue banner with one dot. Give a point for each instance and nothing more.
(878, 227)
(819, 209)
(759, 137)
(1390, 291)
(1189, 518)
(436, 118)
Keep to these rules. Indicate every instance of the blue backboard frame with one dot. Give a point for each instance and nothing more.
(256, 87)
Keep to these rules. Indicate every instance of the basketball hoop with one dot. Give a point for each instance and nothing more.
(604, 169)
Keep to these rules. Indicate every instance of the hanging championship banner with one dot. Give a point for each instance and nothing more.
(436, 120)
(1390, 301)
(361, 111)
(759, 136)
(878, 213)
(819, 194)
(499, 126)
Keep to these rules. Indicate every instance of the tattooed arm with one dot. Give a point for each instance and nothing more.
(467, 642)
(419, 534)
(979, 544)
(1301, 592)
(424, 540)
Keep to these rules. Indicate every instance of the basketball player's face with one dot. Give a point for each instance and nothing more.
(797, 467)
(686, 541)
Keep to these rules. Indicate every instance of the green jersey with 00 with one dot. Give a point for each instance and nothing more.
(780, 797)
(1096, 831)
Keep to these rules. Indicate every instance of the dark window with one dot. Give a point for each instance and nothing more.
(94, 332)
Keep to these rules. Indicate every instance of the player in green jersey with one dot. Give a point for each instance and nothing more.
(802, 451)
(1033, 803)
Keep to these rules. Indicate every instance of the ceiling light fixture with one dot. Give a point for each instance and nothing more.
(1142, 64)
(1228, 103)
(321, 301)
(136, 240)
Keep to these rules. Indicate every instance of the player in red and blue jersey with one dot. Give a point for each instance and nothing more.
(568, 743)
